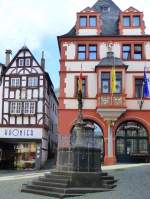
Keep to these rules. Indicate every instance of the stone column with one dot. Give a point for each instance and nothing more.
(110, 157)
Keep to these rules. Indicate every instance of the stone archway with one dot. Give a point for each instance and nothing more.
(98, 133)
(132, 142)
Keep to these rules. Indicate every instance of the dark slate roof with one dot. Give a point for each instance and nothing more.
(110, 60)
(109, 19)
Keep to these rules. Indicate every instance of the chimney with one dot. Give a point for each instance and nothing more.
(8, 56)
(43, 60)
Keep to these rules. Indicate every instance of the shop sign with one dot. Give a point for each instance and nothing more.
(21, 133)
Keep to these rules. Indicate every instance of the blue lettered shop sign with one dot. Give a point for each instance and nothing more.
(27, 133)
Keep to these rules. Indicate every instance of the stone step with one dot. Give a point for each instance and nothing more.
(47, 193)
(51, 184)
(53, 180)
(108, 186)
(107, 177)
(108, 181)
(61, 177)
(45, 188)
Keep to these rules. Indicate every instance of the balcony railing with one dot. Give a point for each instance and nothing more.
(109, 100)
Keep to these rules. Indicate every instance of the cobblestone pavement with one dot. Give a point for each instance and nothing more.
(134, 183)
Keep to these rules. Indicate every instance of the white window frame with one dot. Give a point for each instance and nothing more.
(15, 82)
(29, 108)
(32, 81)
(20, 62)
(15, 108)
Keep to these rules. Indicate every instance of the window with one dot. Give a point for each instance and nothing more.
(138, 87)
(136, 21)
(92, 21)
(92, 52)
(105, 82)
(126, 21)
(83, 21)
(118, 82)
(126, 52)
(105, 9)
(15, 82)
(22, 107)
(21, 62)
(15, 107)
(27, 62)
(83, 87)
(33, 81)
(137, 51)
(82, 52)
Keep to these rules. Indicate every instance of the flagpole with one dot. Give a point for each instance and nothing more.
(142, 99)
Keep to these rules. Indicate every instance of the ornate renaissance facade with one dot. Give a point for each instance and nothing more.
(105, 37)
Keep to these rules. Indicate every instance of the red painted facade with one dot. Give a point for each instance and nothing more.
(110, 115)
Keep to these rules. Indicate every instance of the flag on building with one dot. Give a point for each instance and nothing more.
(113, 80)
(146, 84)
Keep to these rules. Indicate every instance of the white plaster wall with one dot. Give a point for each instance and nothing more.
(6, 93)
(21, 54)
(32, 119)
(92, 85)
(19, 120)
(25, 120)
(11, 94)
(41, 92)
(39, 106)
(103, 49)
(29, 94)
(70, 51)
(129, 84)
(12, 120)
(6, 107)
(76, 66)
(73, 104)
(70, 81)
(135, 31)
(134, 105)
(35, 93)
(88, 32)
(137, 65)
(147, 50)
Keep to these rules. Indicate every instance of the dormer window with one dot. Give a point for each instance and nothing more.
(92, 21)
(104, 8)
(21, 62)
(126, 21)
(27, 62)
(136, 20)
(83, 21)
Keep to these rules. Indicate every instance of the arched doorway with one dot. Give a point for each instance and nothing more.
(132, 142)
(98, 133)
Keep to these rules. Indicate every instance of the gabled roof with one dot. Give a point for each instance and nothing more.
(24, 48)
(131, 9)
(109, 19)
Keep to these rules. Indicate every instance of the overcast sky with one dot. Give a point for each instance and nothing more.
(37, 23)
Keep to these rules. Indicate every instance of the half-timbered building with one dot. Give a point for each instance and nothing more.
(25, 119)
(103, 37)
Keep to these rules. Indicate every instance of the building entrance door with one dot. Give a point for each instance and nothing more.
(7, 155)
(132, 143)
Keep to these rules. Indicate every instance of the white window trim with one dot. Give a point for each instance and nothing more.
(26, 108)
(32, 81)
(15, 82)
(21, 62)
(27, 62)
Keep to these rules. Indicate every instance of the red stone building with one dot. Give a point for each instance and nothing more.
(105, 36)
